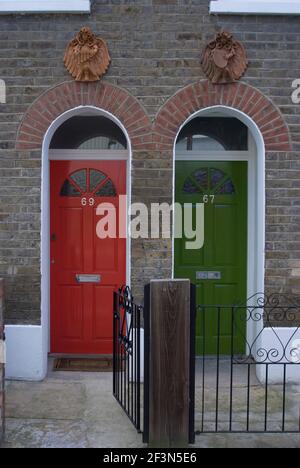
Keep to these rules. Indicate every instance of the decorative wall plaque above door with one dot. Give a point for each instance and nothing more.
(224, 59)
(87, 57)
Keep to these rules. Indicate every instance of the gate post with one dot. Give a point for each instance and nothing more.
(171, 363)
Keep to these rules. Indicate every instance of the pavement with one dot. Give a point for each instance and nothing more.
(67, 410)
(77, 410)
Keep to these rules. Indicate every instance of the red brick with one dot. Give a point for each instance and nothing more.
(73, 94)
(168, 116)
(184, 108)
(122, 96)
(142, 130)
(266, 116)
(22, 145)
(34, 123)
(231, 91)
(92, 89)
(32, 131)
(34, 114)
(274, 131)
(278, 147)
(25, 137)
(253, 101)
(272, 124)
(249, 94)
(132, 114)
(165, 123)
(164, 131)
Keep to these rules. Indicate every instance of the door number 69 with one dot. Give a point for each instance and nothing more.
(87, 201)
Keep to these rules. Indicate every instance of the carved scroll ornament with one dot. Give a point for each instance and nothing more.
(224, 59)
(87, 57)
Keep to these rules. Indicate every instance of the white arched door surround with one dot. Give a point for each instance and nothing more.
(48, 155)
(255, 156)
(28, 345)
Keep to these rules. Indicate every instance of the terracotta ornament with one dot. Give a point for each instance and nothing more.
(87, 57)
(224, 59)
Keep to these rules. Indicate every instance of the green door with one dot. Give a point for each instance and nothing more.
(219, 268)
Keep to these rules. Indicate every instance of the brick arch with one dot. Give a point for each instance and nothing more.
(238, 96)
(69, 95)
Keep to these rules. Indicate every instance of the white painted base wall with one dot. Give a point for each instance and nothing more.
(270, 341)
(26, 356)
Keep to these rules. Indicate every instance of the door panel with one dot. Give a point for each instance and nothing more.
(106, 251)
(71, 222)
(225, 234)
(101, 323)
(223, 186)
(70, 322)
(81, 313)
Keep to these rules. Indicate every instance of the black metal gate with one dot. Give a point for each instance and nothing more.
(257, 391)
(127, 360)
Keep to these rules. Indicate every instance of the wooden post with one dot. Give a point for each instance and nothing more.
(169, 363)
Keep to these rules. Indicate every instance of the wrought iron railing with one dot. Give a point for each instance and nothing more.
(247, 369)
(127, 360)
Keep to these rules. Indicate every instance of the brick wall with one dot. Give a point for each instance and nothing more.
(155, 47)
(1, 363)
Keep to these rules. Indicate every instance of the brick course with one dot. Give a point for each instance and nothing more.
(155, 79)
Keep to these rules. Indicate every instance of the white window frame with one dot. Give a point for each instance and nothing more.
(45, 6)
(255, 7)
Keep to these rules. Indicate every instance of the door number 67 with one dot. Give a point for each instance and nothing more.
(87, 201)
(209, 198)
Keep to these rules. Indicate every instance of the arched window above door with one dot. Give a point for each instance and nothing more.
(213, 134)
(89, 133)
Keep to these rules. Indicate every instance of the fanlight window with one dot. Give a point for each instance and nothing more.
(209, 181)
(88, 181)
(213, 134)
(89, 133)
(102, 143)
(200, 143)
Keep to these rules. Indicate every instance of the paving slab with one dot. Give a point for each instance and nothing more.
(67, 410)
(45, 400)
(245, 441)
(78, 410)
(45, 433)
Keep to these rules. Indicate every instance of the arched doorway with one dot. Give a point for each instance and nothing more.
(86, 163)
(219, 161)
(52, 108)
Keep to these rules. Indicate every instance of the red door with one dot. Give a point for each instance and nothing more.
(85, 270)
